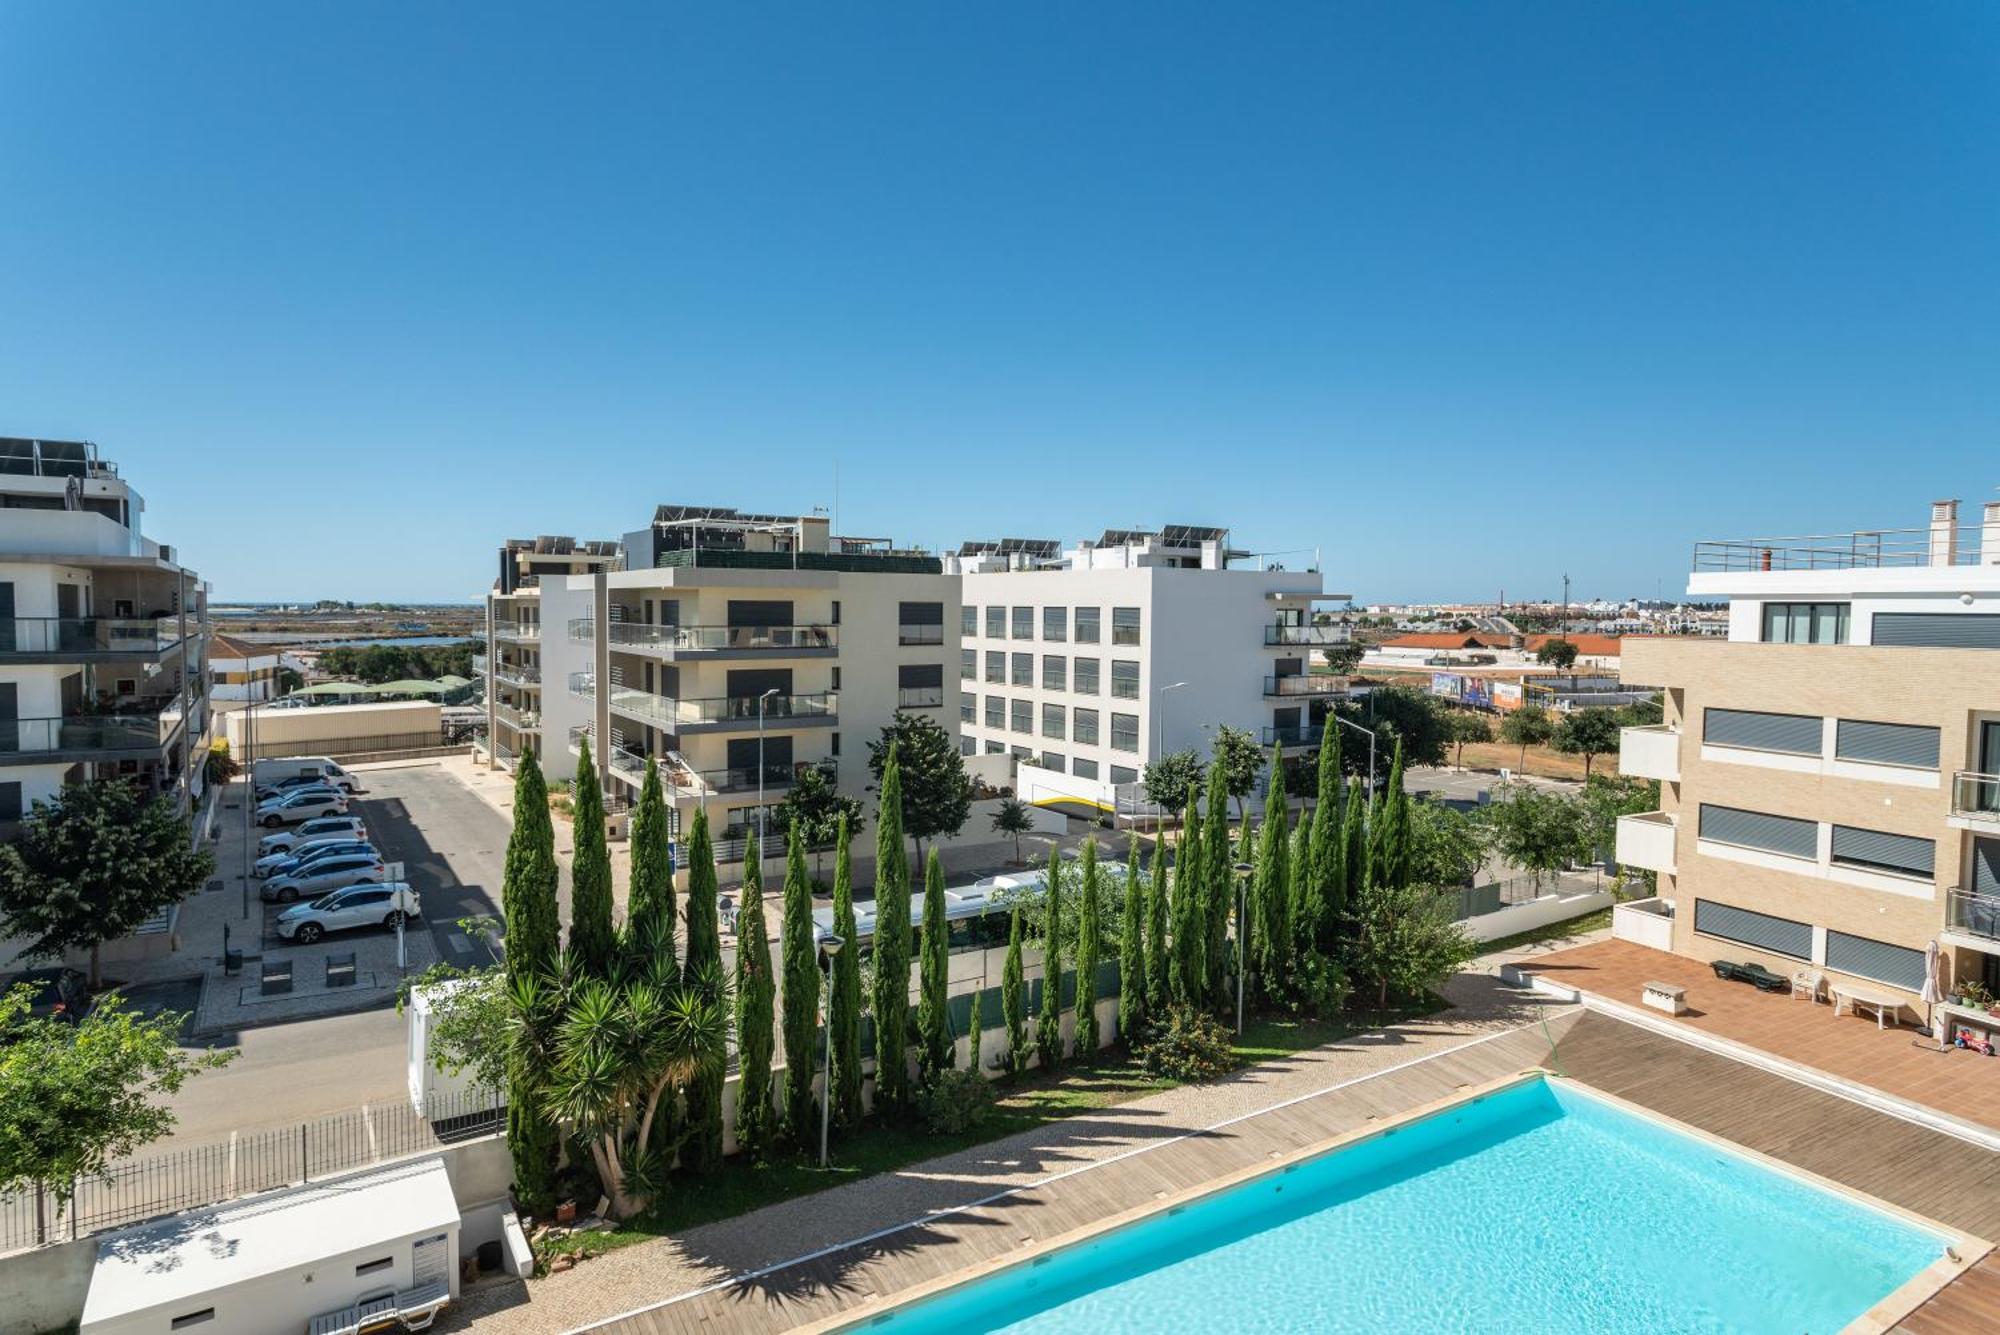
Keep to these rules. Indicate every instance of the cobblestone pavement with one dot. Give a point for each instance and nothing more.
(649, 1272)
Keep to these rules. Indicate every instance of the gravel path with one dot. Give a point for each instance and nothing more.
(652, 1271)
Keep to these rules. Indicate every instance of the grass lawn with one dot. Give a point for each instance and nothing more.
(1030, 1102)
(1555, 931)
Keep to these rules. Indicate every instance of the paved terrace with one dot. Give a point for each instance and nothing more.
(1900, 1062)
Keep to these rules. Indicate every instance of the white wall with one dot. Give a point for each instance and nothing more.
(1535, 913)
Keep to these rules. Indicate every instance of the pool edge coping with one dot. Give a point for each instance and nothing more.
(1879, 1318)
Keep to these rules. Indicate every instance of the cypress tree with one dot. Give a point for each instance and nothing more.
(892, 946)
(702, 969)
(1395, 845)
(755, 989)
(652, 898)
(844, 1006)
(1324, 900)
(972, 1027)
(1132, 951)
(1354, 855)
(1299, 913)
(1188, 942)
(1013, 1012)
(1156, 933)
(592, 939)
(528, 899)
(1089, 943)
(934, 1043)
(1271, 939)
(1218, 885)
(1048, 1025)
(800, 946)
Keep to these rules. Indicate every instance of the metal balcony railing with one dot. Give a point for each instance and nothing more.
(1975, 795)
(1972, 913)
(1305, 683)
(1308, 635)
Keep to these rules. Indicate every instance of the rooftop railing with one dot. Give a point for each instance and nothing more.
(884, 563)
(1900, 547)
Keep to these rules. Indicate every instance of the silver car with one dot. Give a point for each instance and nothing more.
(276, 864)
(307, 804)
(360, 906)
(320, 827)
(332, 873)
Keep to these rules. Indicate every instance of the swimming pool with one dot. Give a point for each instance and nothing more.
(1539, 1206)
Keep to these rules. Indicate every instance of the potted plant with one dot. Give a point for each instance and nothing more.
(1973, 995)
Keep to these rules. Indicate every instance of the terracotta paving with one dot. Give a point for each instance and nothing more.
(1897, 1061)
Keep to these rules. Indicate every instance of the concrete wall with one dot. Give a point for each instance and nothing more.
(328, 729)
(1535, 913)
(1642, 924)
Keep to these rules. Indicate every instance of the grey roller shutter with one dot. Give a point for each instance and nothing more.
(1753, 829)
(1938, 630)
(1898, 966)
(1986, 867)
(1890, 852)
(1780, 936)
(1887, 743)
(1795, 734)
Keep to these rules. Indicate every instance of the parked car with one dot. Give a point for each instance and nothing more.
(305, 804)
(318, 878)
(382, 905)
(267, 791)
(270, 773)
(60, 994)
(325, 827)
(281, 864)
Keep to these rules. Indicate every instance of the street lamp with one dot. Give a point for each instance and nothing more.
(760, 767)
(1159, 719)
(827, 950)
(1243, 870)
(1349, 723)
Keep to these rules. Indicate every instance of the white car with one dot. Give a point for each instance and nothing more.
(301, 806)
(336, 871)
(325, 827)
(382, 905)
(273, 864)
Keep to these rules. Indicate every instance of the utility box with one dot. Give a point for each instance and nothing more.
(325, 1256)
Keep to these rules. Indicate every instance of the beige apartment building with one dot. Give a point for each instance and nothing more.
(1830, 772)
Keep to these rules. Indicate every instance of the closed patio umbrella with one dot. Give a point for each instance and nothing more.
(1931, 994)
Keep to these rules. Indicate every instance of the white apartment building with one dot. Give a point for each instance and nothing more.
(103, 634)
(1091, 662)
(512, 663)
(737, 650)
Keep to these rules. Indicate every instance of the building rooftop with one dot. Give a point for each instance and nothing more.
(1944, 542)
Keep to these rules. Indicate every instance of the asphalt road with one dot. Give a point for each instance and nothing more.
(452, 845)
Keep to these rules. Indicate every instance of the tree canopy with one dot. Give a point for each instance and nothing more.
(937, 795)
(1557, 653)
(1530, 725)
(1173, 780)
(1589, 733)
(815, 808)
(1241, 759)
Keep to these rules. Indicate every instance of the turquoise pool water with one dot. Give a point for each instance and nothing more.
(1532, 1209)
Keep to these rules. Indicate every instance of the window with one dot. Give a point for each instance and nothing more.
(1053, 719)
(1792, 734)
(1886, 743)
(1754, 829)
(192, 1319)
(1875, 850)
(1780, 936)
(1055, 623)
(1022, 752)
(1123, 774)
(1086, 624)
(996, 711)
(920, 623)
(919, 685)
(1937, 630)
(967, 746)
(1024, 623)
(996, 623)
(1124, 679)
(1022, 716)
(1055, 761)
(968, 707)
(968, 665)
(1083, 676)
(968, 621)
(1124, 732)
(996, 666)
(833, 747)
(1055, 672)
(376, 1266)
(1083, 769)
(1084, 726)
(834, 620)
(1805, 623)
(834, 681)
(1124, 625)
(1024, 669)
(996, 748)
(1898, 966)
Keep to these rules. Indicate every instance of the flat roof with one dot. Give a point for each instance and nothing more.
(176, 1261)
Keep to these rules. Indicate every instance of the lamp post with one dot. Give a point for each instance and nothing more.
(827, 950)
(1159, 719)
(1242, 870)
(1349, 723)
(760, 768)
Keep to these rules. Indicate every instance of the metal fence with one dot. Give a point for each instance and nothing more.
(145, 1188)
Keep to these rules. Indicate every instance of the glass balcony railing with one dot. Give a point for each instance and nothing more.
(1975, 795)
(91, 635)
(1308, 635)
(643, 638)
(517, 632)
(1294, 734)
(517, 718)
(919, 634)
(139, 733)
(521, 673)
(668, 712)
(1305, 683)
(1972, 913)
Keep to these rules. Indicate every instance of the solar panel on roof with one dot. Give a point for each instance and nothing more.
(1193, 535)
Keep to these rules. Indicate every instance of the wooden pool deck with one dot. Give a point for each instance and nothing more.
(1924, 1171)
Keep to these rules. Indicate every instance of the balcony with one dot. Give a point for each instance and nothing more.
(1970, 914)
(88, 736)
(920, 697)
(1650, 753)
(1646, 841)
(718, 713)
(1975, 800)
(743, 778)
(517, 632)
(520, 720)
(1309, 636)
(808, 641)
(1294, 734)
(479, 665)
(84, 639)
(920, 634)
(1302, 684)
(583, 686)
(518, 674)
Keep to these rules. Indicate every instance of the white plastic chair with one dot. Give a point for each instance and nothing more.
(1807, 983)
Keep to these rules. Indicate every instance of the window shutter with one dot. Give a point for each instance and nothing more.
(1898, 966)
(1780, 936)
(1793, 734)
(1753, 829)
(1938, 630)
(1887, 744)
(1891, 852)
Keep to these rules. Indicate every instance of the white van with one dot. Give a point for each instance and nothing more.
(270, 773)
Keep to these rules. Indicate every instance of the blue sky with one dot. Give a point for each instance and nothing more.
(1463, 296)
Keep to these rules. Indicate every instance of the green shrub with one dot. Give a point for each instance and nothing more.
(954, 1101)
(1188, 1045)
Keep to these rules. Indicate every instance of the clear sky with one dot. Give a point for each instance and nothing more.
(1464, 296)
